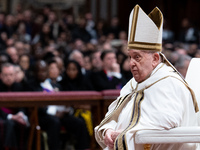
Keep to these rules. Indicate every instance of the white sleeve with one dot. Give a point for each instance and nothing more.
(99, 132)
(117, 75)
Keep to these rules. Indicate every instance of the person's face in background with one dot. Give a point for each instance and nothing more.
(41, 71)
(72, 71)
(8, 75)
(12, 52)
(87, 63)
(3, 59)
(46, 29)
(53, 71)
(79, 58)
(24, 62)
(109, 60)
(60, 63)
(20, 48)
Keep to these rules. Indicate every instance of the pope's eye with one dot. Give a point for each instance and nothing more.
(137, 58)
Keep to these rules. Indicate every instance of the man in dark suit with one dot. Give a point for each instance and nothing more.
(13, 120)
(110, 76)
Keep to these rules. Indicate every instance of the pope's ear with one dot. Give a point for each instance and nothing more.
(156, 58)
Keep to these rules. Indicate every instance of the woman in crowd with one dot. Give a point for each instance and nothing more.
(73, 79)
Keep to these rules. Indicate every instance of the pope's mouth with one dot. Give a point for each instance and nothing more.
(135, 71)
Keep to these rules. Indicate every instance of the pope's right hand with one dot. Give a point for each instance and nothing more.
(110, 137)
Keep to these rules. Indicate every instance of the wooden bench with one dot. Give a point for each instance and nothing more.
(98, 101)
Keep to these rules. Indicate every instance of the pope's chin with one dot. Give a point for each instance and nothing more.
(136, 77)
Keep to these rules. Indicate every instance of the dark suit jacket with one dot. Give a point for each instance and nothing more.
(16, 87)
(101, 82)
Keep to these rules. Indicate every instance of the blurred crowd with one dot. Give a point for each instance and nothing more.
(44, 51)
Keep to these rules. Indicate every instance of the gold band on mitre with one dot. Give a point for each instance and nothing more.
(145, 46)
(145, 31)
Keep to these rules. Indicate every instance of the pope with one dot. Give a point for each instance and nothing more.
(157, 97)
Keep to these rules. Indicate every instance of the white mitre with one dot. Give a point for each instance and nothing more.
(145, 31)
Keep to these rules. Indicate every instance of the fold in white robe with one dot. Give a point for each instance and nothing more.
(166, 104)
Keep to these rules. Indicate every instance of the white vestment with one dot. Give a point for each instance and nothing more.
(166, 103)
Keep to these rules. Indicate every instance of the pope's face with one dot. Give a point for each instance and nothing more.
(141, 64)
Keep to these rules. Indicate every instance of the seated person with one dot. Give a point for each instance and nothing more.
(48, 123)
(110, 76)
(52, 117)
(74, 80)
(14, 120)
(157, 97)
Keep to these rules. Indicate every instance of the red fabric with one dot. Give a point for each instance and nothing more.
(7, 110)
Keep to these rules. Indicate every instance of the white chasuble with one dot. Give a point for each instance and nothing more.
(160, 102)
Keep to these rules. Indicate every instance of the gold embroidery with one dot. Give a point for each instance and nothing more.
(147, 146)
(156, 16)
(183, 80)
(145, 43)
(121, 139)
(135, 113)
(134, 23)
(131, 84)
(144, 47)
